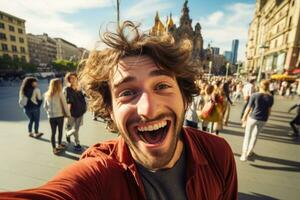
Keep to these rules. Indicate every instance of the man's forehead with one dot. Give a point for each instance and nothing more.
(136, 63)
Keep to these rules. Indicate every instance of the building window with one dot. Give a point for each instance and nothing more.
(11, 28)
(21, 40)
(15, 57)
(2, 36)
(1, 16)
(23, 58)
(13, 38)
(4, 47)
(22, 49)
(10, 19)
(20, 30)
(2, 26)
(19, 22)
(14, 48)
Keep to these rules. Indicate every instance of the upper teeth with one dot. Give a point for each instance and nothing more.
(153, 127)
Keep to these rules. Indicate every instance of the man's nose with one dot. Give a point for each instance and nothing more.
(146, 106)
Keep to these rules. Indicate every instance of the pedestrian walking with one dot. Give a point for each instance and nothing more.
(191, 117)
(296, 121)
(256, 115)
(30, 99)
(77, 106)
(248, 90)
(227, 102)
(56, 107)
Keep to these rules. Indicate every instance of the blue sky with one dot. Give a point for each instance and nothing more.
(79, 21)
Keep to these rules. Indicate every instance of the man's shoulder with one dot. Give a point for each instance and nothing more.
(207, 141)
(102, 150)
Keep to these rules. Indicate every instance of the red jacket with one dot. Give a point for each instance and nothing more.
(107, 171)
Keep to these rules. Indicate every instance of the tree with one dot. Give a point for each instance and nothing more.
(64, 65)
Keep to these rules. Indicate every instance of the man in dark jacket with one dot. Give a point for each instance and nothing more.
(143, 85)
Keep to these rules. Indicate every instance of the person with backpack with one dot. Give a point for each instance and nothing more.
(30, 99)
(77, 106)
(56, 107)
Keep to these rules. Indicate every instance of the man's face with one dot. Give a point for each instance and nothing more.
(148, 109)
(73, 80)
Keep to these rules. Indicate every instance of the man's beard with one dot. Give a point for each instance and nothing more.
(159, 159)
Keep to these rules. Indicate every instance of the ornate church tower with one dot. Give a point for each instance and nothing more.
(158, 28)
(185, 29)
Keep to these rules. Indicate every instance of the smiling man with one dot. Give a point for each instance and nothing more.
(143, 85)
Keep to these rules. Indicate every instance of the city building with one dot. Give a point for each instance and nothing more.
(13, 41)
(42, 49)
(227, 55)
(184, 31)
(234, 51)
(67, 51)
(273, 36)
(216, 50)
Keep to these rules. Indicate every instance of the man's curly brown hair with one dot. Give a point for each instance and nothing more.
(97, 70)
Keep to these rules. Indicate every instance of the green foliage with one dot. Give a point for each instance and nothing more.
(15, 64)
(64, 65)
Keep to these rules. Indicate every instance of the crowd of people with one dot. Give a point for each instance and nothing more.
(210, 110)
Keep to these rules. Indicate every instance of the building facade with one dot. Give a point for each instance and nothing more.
(13, 41)
(274, 36)
(42, 49)
(227, 55)
(67, 51)
(234, 51)
(216, 50)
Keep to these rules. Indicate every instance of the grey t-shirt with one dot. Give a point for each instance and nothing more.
(165, 184)
(260, 103)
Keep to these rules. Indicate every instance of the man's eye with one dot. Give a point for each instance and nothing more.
(162, 86)
(127, 93)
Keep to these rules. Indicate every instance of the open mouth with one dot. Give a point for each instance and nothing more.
(154, 134)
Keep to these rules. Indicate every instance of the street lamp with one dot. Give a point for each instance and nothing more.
(209, 66)
(227, 67)
(262, 47)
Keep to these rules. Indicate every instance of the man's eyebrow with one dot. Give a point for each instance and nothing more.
(161, 72)
(124, 80)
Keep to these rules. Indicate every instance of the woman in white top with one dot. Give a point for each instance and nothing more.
(56, 108)
(30, 99)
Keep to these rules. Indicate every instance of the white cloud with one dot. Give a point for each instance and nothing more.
(47, 17)
(145, 8)
(223, 26)
(214, 18)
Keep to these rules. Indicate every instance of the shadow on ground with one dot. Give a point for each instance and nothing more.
(288, 165)
(254, 196)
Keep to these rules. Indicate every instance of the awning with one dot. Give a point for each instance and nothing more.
(283, 77)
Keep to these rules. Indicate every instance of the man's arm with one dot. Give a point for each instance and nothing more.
(90, 178)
